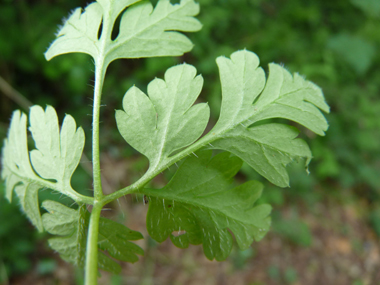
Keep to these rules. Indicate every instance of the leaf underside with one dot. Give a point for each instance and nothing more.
(199, 206)
(144, 31)
(71, 227)
(165, 122)
(56, 157)
(249, 98)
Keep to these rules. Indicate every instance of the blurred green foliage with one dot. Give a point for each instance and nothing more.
(333, 43)
(17, 240)
(293, 229)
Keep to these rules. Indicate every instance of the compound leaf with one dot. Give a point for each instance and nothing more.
(157, 125)
(267, 149)
(198, 206)
(144, 31)
(79, 33)
(57, 152)
(248, 98)
(18, 172)
(165, 121)
(56, 156)
(27, 192)
(114, 239)
(71, 226)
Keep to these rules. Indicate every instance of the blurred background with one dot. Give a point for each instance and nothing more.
(325, 228)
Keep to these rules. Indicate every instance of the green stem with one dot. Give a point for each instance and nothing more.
(91, 270)
(151, 173)
(99, 79)
(91, 274)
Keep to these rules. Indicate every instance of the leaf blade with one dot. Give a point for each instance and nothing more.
(167, 120)
(56, 157)
(144, 31)
(79, 33)
(249, 98)
(271, 148)
(199, 204)
(57, 153)
(153, 33)
(71, 226)
(17, 171)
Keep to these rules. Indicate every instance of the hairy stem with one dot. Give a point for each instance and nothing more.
(99, 79)
(91, 269)
(91, 274)
(154, 172)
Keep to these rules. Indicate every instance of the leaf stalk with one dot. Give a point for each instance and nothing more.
(91, 266)
(91, 272)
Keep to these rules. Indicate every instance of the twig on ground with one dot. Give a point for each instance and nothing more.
(14, 95)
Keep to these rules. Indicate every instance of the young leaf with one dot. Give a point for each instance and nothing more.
(165, 121)
(247, 99)
(148, 123)
(17, 171)
(144, 31)
(267, 149)
(56, 157)
(71, 226)
(57, 153)
(79, 33)
(199, 205)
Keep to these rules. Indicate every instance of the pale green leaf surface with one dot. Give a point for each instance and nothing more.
(79, 33)
(144, 31)
(115, 7)
(56, 156)
(71, 226)
(165, 121)
(267, 149)
(147, 32)
(156, 127)
(18, 172)
(200, 205)
(15, 151)
(28, 194)
(57, 152)
(249, 98)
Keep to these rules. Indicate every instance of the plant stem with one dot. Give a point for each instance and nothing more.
(154, 172)
(91, 269)
(99, 79)
(91, 272)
